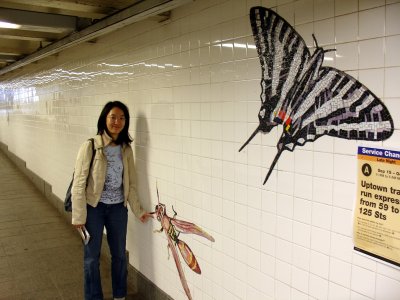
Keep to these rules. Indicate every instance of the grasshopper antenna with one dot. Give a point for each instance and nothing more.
(250, 138)
(158, 196)
(175, 213)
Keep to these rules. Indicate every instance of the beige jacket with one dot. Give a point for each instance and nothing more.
(91, 195)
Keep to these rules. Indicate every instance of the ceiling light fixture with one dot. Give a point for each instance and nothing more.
(9, 25)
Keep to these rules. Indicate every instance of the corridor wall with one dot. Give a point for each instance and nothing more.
(192, 84)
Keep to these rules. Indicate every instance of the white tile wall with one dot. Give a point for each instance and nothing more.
(192, 86)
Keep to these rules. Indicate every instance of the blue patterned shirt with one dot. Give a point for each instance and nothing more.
(113, 191)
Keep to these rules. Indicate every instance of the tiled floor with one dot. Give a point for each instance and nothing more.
(40, 254)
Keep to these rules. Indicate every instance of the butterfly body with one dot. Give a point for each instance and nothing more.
(308, 99)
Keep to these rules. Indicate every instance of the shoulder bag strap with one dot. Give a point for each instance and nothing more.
(93, 153)
(91, 161)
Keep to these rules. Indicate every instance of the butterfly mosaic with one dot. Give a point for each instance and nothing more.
(309, 100)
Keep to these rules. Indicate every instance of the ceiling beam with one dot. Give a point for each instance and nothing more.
(18, 47)
(121, 19)
(8, 58)
(62, 8)
(15, 34)
(38, 21)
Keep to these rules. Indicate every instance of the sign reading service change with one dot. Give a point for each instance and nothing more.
(376, 222)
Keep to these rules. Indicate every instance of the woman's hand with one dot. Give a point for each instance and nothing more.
(143, 218)
(77, 226)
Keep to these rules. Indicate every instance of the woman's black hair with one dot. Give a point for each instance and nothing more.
(123, 136)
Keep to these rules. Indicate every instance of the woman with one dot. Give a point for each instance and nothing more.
(100, 196)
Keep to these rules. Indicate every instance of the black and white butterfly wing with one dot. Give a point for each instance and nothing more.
(283, 57)
(340, 106)
(337, 105)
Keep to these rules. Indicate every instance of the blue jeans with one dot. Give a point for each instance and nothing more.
(114, 217)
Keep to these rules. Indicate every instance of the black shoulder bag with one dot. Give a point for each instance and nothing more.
(68, 200)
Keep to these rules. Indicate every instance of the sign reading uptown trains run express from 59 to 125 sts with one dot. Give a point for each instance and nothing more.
(376, 228)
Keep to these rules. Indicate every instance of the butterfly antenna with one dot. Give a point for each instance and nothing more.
(250, 138)
(329, 50)
(271, 168)
(316, 44)
(315, 40)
